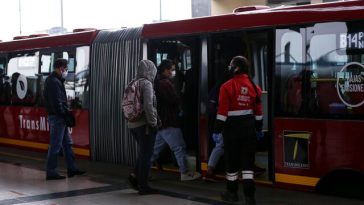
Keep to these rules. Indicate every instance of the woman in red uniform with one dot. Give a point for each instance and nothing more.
(239, 118)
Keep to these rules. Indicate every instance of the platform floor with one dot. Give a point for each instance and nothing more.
(22, 181)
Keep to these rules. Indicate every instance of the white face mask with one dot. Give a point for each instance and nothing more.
(173, 74)
(64, 74)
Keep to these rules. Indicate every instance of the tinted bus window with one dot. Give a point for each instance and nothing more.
(3, 80)
(2, 65)
(82, 88)
(289, 64)
(22, 70)
(319, 71)
(335, 54)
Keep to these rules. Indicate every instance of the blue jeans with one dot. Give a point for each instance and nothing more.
(174, 138)
(60, 138)
(145, 137)
(216, 153)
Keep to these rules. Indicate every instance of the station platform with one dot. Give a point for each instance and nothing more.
(22, 181)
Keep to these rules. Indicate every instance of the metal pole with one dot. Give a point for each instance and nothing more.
(62, 15)
(20, 17)
(160, 10)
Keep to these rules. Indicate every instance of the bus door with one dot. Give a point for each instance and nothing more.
(255, 46)
(185, 53)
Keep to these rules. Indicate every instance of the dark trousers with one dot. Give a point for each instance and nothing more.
(240, 143)
(145, 137)
(59, 139)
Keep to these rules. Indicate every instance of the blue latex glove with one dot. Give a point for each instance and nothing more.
(217, 137)
(260, 135)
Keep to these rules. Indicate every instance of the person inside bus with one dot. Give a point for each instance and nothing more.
(239, 118)
(168, 109)
(144, 129)
(57, 108)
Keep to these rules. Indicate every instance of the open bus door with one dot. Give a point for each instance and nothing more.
(256, 47)
(185, 53)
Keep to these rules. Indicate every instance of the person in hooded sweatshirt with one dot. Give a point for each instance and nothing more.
(144, 129)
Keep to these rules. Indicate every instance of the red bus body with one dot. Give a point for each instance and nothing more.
(334, 144)
(27, 126)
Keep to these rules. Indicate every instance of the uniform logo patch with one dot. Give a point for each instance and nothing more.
(244, 90)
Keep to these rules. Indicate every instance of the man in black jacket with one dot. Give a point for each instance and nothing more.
(58, 112)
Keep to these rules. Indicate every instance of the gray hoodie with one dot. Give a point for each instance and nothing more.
(146, 73)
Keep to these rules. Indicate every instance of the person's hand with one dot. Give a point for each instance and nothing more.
(260, 135)
(217, 137)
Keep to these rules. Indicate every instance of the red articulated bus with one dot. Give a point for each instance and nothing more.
(307, 59)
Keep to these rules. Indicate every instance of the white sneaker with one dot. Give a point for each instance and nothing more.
(190, 176)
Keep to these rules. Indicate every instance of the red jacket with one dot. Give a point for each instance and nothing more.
(238, 98)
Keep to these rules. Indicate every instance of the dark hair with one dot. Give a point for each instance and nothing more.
(60, 62)
(242, 63)
(165, 65)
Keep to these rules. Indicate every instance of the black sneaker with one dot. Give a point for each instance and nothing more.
(75, 172)
(55, 177)
(133, 182)
(229, 196)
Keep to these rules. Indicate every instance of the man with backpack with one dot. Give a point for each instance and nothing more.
(140, 110)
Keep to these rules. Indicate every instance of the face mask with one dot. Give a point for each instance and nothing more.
(231, 69)
(173, 73)
(64, 74)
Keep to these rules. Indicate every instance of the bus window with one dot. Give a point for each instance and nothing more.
(82, 77)
(336, 52)
(2, 65)
(289, 62)
(2, 80)
(22, 70)
(46, 65)
(328, 81)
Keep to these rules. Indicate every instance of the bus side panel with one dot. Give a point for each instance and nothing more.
(306, 150)
(28, 127)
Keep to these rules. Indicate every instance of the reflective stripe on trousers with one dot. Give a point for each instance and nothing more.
(247, 174)
(232, 176)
